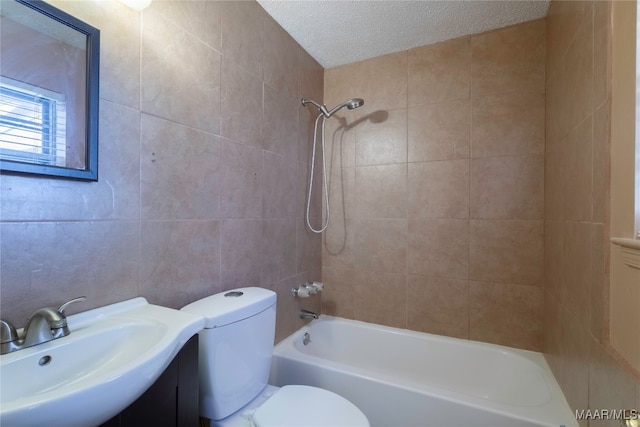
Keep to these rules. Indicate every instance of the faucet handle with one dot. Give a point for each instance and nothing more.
(7, 332)
(316, 287)
(9, 339)
(64, 306)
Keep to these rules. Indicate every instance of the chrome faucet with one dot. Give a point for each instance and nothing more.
(306, 314)
(44, 325)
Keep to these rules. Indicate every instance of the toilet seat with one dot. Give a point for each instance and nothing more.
(306, 406)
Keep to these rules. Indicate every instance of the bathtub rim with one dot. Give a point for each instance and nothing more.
(554, 409)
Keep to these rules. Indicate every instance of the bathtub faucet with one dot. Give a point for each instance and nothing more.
(306, 314)
(307, 289)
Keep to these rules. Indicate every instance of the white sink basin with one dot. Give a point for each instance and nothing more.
(112, 356)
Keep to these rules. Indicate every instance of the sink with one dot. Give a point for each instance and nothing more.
(112, 356)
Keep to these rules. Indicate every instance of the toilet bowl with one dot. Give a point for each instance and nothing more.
(235, 349)
(296, 406)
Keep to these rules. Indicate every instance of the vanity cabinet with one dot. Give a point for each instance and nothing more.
(172, 401)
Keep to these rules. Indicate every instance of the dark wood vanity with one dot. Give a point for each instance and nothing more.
(172, 401)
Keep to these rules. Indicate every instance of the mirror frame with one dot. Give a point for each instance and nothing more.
(91, 114)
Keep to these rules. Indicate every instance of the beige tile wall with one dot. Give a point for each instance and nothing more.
(203, 158)
(437, 188)
(577, 218)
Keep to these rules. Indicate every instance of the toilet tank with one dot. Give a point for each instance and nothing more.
(235, 348)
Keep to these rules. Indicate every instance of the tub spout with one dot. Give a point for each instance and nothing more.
(306, 314)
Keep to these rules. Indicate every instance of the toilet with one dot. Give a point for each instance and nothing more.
(235, 349)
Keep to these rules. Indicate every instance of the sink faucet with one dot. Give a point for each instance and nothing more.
(306, 314)
(44, 325)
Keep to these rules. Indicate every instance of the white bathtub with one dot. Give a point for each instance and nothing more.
(403, 378)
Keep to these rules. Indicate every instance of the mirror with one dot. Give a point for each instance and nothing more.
(49, 76)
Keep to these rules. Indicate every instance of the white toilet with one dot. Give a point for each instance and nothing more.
(235, 351)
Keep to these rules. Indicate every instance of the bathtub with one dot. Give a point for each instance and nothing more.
(404, 378)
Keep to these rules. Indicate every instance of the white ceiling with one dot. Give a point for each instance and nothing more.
(337, 32)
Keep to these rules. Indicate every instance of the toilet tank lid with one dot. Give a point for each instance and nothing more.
(232, 305)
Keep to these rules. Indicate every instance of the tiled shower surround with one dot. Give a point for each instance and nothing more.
(437, 188)
(468, 194)
(577, 217)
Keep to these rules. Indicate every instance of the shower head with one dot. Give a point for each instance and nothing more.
(350, 104)
(355, 103)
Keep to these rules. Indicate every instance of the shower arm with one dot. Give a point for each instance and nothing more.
(322, 108)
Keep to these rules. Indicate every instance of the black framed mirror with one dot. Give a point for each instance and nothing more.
(49, 80)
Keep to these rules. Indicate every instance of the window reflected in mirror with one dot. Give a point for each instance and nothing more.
(48, 91)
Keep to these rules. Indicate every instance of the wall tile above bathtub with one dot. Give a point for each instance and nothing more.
(380, 298)
(382, 81)
(340, 135)
(507, 187)
(466, 204)
(382, 191)
(506, 251)
(440, 72)
(338, 243)
(506, 314)
(577, 211)
(342, 195)
(338, 295)
(577, 172)
(439, 189)
(308, 249)
(508, 124)
(599, 279)
(438, 305)
(509, 60)
(439, 131)
(302, 190)
(381, 245)
(601, 163)
(579, 75)
(378, 144)
(438, 247)
(575, 288)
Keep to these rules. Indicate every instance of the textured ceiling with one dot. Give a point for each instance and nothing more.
(341, 32)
